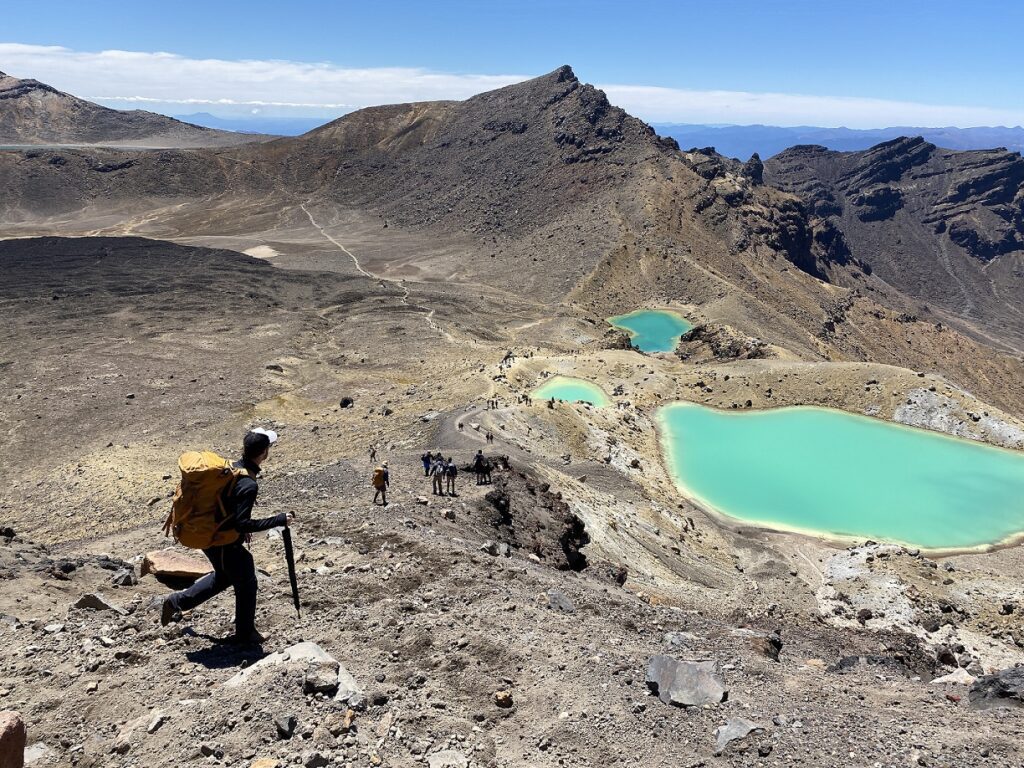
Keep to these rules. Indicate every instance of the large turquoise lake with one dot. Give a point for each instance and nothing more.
(831, 473)
(652, 330)
(571, 390)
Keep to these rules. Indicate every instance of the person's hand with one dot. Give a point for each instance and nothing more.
(289, 518)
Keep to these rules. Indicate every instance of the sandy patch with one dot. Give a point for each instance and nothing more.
(261, 252)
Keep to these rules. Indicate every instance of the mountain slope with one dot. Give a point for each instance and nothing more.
(35, 113)
(541, 192)
(944, 227)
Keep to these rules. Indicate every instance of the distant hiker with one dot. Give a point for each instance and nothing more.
(490, 436)
(450, 473)
(460, 426)
(478, 467)
(437, 472)
(486, 469)
(232, 564)
(373, 453)
(380, 482)
(426, 459)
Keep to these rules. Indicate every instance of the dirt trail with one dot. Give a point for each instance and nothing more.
(428, 316)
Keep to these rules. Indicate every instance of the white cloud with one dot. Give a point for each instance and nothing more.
(666, 105)
(134, 79)
(169, 82)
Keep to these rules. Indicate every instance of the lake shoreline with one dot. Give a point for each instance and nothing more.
(733, 522)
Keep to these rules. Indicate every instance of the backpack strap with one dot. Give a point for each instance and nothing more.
(236, 474)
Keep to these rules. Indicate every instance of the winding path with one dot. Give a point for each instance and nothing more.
(427, 313)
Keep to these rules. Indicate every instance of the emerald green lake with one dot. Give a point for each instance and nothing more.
(831, 473)
(652, 330)
(571, 390)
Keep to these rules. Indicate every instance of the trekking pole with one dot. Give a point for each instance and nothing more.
(289, 556)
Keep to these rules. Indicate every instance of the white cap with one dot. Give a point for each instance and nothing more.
(271, 434)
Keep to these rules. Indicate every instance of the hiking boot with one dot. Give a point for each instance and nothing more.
(251, 638)
(168, 613)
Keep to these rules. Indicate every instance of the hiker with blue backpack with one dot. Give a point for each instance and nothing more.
(212, 511)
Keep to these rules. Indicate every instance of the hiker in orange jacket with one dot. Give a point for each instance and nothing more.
(381, 480)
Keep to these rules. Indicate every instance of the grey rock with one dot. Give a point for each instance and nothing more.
(285, 724)
(321, 677)
(315, 760)
(125, 578)
(735, 728)
(557, 600)
(447, 758)
(38, 753)
(676, 640)
(96, 602)
(686, 683)
(306, 655)
(1002, 689)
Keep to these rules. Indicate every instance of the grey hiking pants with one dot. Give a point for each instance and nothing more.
(232, 567)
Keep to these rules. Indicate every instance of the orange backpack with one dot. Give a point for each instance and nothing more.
(197, 514)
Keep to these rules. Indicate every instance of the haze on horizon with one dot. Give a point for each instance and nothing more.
(795, 63)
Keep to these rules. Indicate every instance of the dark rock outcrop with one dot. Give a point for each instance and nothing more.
(1002, 689)
(945, 227)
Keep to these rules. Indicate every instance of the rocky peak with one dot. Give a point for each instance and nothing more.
(888, 162)
(12, 88)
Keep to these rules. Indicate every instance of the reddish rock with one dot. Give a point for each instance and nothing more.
(175, 564)
(12, 740)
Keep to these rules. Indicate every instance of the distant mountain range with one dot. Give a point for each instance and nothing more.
(278, 126)
(741, 141)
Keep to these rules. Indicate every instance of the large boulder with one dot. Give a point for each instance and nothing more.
(316, 665)
(686, 683)
(175, 564)
(12, 740)
(1002, 689)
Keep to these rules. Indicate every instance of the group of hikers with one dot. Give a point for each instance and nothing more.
(212, 511)
(442, 472)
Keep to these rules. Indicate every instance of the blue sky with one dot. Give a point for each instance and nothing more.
(870, 61)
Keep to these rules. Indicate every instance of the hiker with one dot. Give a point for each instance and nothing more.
(478, 467)
(460, 426)
(373, 453)
(490, 436)
(232, 564)
(486, 469)
(437, 473)
(426, 459)
(450, 473)
(380, 481)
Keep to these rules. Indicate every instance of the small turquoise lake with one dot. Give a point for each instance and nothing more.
(571, 390)
(652, 330)
(835, 474)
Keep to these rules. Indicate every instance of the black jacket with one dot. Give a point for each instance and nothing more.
(242, 498)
